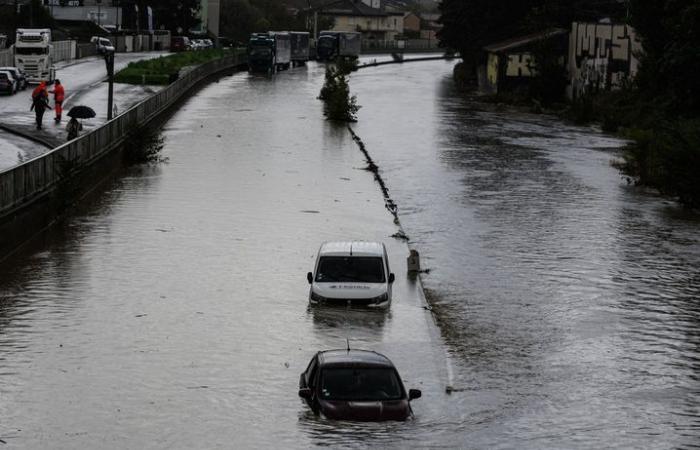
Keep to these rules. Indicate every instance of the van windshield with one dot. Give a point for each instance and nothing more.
(359, 269)
(360, 384)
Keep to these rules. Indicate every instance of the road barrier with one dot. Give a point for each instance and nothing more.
(29, 182)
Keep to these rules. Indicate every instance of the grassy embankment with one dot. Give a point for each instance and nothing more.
(165, 70)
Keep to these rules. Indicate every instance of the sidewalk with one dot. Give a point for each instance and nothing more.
(83, 81)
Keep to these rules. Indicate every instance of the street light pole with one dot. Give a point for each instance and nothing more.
(109, 62)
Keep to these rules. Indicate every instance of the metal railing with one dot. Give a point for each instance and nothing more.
(23, 184)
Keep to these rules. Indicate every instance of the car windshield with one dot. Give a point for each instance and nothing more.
(359, 269)
(360, 384)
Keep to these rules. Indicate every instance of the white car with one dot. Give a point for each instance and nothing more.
(103, 45)
(353, 272)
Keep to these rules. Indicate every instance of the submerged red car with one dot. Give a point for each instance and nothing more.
(355, 385)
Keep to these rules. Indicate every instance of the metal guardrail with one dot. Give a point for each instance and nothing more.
(23, 184)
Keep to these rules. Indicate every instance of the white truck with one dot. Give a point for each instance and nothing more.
(33, 51)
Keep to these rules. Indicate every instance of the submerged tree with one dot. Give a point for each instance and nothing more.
(339, 105)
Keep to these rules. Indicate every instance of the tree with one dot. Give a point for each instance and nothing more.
(670, 32)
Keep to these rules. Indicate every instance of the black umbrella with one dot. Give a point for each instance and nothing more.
(81, 112)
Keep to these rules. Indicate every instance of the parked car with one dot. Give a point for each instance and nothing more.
(8, 85)
(180, 44)
(198, 44)
(103, 45)
(18, 75)
(351, 273)
(355, 385)
(208, 43)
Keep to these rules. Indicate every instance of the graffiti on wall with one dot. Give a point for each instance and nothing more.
(520, 65)
(601, 56)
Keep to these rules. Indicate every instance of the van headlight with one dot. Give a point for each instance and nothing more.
(317, 298)
(382, 298)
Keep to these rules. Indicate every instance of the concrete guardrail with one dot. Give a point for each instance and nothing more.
(22, 185)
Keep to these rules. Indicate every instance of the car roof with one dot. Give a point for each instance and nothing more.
(352, 248)
(353, 358)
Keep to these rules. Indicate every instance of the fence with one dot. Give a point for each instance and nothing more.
(7, 58)
(21, 185)
(64, 50)
(375, 45)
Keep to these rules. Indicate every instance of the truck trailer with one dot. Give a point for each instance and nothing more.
(269, 52)
(300, 47)
(333, 45)
(33, 54)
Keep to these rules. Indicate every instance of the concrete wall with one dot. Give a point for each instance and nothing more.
(7, 57)
(601, 56)
(30, 182)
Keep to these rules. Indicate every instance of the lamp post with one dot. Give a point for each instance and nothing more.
(109, 62)
(99, 12)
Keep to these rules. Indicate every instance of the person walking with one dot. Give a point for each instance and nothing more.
(40, 102)
(73, 128)
(58, 95)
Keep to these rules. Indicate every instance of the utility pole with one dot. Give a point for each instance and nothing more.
(109, 62)
(99, 13)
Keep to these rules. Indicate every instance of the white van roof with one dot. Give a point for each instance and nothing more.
(352, 248)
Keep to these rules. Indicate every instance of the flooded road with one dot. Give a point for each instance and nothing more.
(170, 310)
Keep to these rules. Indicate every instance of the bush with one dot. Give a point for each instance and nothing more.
(339, 105)
(165, 70)
(666, 157)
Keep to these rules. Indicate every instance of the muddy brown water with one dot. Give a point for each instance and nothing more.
(170, 310)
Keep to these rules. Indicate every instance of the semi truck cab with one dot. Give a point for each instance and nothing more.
(33, 54)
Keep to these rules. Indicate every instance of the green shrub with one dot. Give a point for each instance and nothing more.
(339, 105)
(165, 70)
(666, 157)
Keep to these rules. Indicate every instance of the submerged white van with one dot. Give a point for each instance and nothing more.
(351, 273)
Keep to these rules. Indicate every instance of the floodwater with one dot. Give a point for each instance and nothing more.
(170, 310)
(568, 299)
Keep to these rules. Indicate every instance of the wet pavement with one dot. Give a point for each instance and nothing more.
(171, 309)
(84, 83)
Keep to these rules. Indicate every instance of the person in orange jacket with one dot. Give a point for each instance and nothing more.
(58, 95)
(40, 102)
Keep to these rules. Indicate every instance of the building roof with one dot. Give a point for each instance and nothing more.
(351, 8)
(520, 41)
(353, 358)
(352, 248)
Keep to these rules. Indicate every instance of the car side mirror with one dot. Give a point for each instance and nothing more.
(391, 278)
(310, 277)
(412, 394)
(305, 393)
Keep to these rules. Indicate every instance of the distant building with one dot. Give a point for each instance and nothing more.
(510, 65)
(209, 15)
(104, 13)
(367, 17)
(411, 23)
(601, 57)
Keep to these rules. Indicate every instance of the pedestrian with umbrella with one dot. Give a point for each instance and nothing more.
(75, 113)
